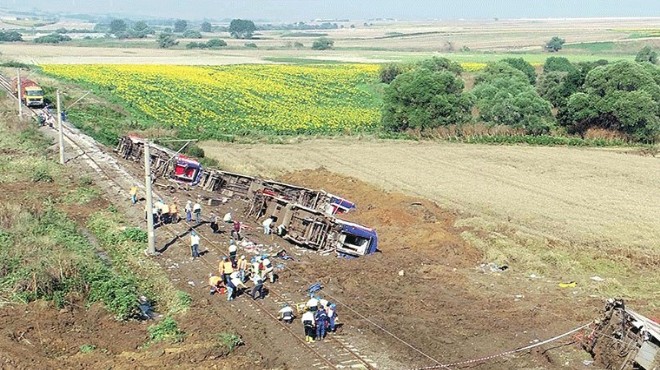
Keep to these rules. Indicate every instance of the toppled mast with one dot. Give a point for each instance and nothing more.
(625, 339)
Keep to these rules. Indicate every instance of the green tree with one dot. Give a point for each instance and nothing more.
(206, 27)
(558, 64)
(499, 70)
(622, 96)
(647, 54)
(438, 64)
(523, 66)
(166, 40)
(555, 44)
(323, 43)
(180, 25)
(10, 36)
(140, 26)
(423, 99)
(552, 87)
(215, 43)
(505, 96)
(388, 72)
(191, 34)
(242, 28)
(53, 38)
(117, 26)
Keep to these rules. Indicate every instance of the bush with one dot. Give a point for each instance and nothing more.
(10, 36)
(230, 340)
(251, 45)
(191, 34)
(323, 43)
(215, 43)
(211, 44)
(53, 38)
(389, 72)
(166, 40)
(42, 174)
(167, 329)
(195, 151)
(87, 348)
(134, 234)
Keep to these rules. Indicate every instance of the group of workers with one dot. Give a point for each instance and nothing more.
(319, 317)
(234, 273)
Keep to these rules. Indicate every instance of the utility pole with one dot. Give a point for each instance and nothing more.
(20, 93)
(59, 127)
(151, 248)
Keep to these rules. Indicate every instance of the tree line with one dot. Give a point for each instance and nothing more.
(622, 97)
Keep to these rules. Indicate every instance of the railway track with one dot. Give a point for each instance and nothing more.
(335, 352)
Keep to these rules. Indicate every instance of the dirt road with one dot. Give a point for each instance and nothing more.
(589, 196)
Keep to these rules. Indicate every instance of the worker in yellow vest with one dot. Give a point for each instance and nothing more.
(226, 269)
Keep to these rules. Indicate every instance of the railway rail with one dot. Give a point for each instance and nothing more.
(334, 352)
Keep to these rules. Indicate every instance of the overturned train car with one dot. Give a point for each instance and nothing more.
(306, 217)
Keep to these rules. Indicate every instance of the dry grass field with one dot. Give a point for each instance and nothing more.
(378, 42)
(585, 196)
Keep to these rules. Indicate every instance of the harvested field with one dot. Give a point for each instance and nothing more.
(376, 43)
(586, 196)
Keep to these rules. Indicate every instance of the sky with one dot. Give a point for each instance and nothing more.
(296, 10)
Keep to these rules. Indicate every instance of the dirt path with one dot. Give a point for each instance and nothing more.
(586, 196)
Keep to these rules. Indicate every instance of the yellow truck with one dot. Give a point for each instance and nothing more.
(31, 93)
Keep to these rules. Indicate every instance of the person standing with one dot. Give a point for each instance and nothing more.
(227, 269)
(332, 316)
(308, 324)
(214, 223)
(268, 268)
(242, 267)
(232, 252)
(266, 224)
(321, 320)
(258, 286)
(197, 210)
(194, 243)
(236, 231)
(174, 213)
(188, 210)
(230, 289)
(133, 193)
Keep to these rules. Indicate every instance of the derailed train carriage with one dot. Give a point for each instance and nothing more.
(306, 217)
(165, 163)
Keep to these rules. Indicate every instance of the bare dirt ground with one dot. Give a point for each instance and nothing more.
(587, 196)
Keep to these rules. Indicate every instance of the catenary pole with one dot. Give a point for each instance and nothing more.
(151, 248)
(60, 134)
(19, 91)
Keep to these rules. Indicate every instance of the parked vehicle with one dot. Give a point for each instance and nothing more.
(31, 93)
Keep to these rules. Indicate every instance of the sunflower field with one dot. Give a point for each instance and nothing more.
(208, 101)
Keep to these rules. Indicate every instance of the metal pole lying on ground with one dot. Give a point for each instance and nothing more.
(20, 92)
(151, 249)
(59, 127)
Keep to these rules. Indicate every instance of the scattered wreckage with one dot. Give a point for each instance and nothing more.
(305, 217)
(624, 339)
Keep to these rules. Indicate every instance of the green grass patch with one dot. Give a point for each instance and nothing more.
(303, 34)
(166, 330)
(302, 61)
(593, 47)
(230, 340)
(82, 195)
(87, 348)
